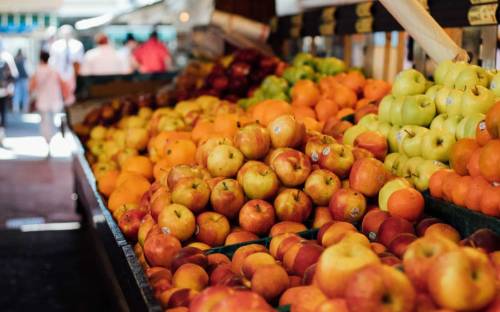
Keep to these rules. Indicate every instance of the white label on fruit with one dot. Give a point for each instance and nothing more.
(165, 230)
(482, 125)
(436, 162)
(493, 85)
(355, 212)
(314, 156)
(277, 129)
(448, 101)
(399, 136)
(495, 184)
(197, 230)
(326, 151)
(372, 236)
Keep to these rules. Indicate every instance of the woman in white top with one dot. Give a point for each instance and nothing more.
(48, 87)
(103, 59)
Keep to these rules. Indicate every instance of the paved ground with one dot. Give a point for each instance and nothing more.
(43, 270)
(32, 185)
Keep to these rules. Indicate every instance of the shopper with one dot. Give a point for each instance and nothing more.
(20, 102)
(8, 73)
(126, 53)
(66, 55)
(103, 59)
(153, 56)
(49, 88)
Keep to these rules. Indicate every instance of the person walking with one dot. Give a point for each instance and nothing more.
(153, 56)
(66, 55)
(49, 89)
(8, 73)
(103, 59)
(20, 101)
(126, 53)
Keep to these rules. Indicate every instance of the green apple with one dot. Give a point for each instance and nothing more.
(477, 99)
(384, 108)
(467, 127)
(440, 99)
(384, 128)
(428, 84)
(409, 82)
(390, 160)
(389, 188)
(423, 173)
(399, 164)
(441, 70)
(273, 85)
(370, 121)
(454, 102)
(495, 84)
(438, 122)
(303, 58)
(432, 91)
(418, 110)
(472, 76)
(411, 145)
(454, 70)
(437, 145)
(295, 73)
(409, 169)
(392, 138)
(396, 111)
(329, 65)
(351, 134)
(451, 123)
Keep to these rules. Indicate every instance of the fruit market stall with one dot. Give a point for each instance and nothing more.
(253, 191)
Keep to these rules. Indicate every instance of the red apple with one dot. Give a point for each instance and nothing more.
(372, 221)
(391, 227)
(257, 216)
(347, 205)
(286, 131)
(374, 142)
(227, 198)
(321, 185)
(213, 228)
(367, 176)
(337, 158)
(253, 140)
(292, 205)
(292, 167)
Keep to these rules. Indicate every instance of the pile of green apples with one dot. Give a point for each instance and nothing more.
(304, 66)
(422, 120)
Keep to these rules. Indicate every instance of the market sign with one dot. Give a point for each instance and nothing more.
(26, 22)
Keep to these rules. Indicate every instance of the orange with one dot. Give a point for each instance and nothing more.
(268, 110)
(303, 111)
(120, 197)
(449, 184)
(459, 192)
(107, 181)
(355, 81)
(489, 161)
(342, 95)
(407, 203)
(161, 168)
(363, 102)
(139, 164)
(305, 93)
(436, 182)
(156, 146)
(473, 163)
(202, 129)
(325, 109)
(490, 201)
(376, 89)
(327, 83)
(344, 112)
(477, 186)
(482, 134)
(134, 183)
(460, 154)
(226, 124)
(311, 124)
(180, 152)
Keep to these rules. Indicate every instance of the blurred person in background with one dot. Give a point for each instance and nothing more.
(8, 73)
(153, 56)
(66, 55)
(126, 53)
(20, 100)
(103, 59)
(49, 89)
